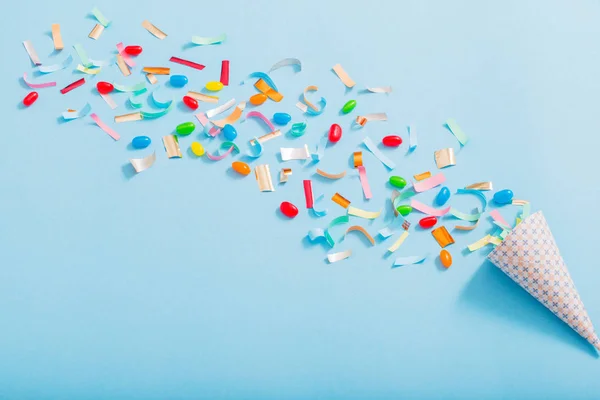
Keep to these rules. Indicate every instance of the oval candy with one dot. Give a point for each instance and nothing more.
(190, 102)
(141, 142)
(282, 118)
(349, 106)
(397, 181)
(133, 50)
(241, 167)
(229, 132)
(404, 210)
(392, 141)
(446, 258)
(503, 196)
(178, 80)
(288, 209)
(104, 87)
(197, 149)
(30, 98)
(428, 222)
(335, 133)
(258, 99)
(442, 197)
(185, 128)
(213, 86)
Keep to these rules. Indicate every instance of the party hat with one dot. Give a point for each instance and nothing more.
(530, 257)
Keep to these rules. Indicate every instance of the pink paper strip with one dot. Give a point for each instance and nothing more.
(105, 127)
(220, 157)
(430, 183)
(37, 85)
(259, 115)
(109, 100)
(498, 217)
(128, 60)
(425, 209)
(364, 182)
(202, 118)
(214, 131)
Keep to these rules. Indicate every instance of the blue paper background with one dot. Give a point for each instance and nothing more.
(185, 282)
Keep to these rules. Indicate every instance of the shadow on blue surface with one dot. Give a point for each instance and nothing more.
(494, 293)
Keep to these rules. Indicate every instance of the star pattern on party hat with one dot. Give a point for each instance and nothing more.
(530, 257)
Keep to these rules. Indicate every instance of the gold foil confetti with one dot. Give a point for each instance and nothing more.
(341, 200)
(151, 78)
(171, 144)
(445, 158)
(122, 66)
(266, 137)
(311, 88)
(157, 70)
(263, 177)
(442, 236)
(141, 164)
(357, 159)
(154, 30)
(342, 255)
(96, 32)
(422, 176)
(483, 186)
(203, 97)
(135, 116)
(343, 75)
(57, 37)
(284, 174)
(362, 120)
(331, 176)
(356, 228)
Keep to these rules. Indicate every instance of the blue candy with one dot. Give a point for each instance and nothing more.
(141, 142)
(229, 132)
(178, 80)
(282, 118)
(503, 196)
(443, 196)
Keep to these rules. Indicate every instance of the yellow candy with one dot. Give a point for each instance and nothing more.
(258, 99)
(241, 167)
(214, 86)
(197, 149)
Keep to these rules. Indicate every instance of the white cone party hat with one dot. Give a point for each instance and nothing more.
(529, 256)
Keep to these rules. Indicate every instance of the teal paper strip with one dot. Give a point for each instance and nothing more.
(82, 55)
(100, 17)
(456, 131)
(204, 41)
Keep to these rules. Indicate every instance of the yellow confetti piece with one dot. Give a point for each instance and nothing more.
(480, 243)
(357, 212)
(154, 30)
(398, 242)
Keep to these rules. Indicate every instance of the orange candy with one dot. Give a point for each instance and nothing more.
(241, 167)
(446, 258)
(258, 99)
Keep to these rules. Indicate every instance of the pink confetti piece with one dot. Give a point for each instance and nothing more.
(259, 115)
(128, 60)
(214, 131)
(202, 118)
(362, 173)
(109, 100)
(430, 183)
(105, 127)
(37, 85)
(498, 217)
(425, 209)
(220, 157)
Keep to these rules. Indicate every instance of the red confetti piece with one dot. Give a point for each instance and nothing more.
(308, 194)
(225, 72)
(72, 86)
(187, 63)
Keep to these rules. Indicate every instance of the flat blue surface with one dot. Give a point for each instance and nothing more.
(184, 282)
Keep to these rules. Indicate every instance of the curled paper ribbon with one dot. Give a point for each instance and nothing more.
(264, 88)
(457, 131)
(294, 153)
(340, 200)
(294, 62)
(317, 233)
(265, 78)
(480, 186)
(31, 52)
(298, 129)
(362, 120)
(171, 144)
(130, 88)
(122, 66)
(495, 214)
(266, 137)
(85, 110)
(477, 193)
(331, 176)
(233, 117)
(89, 71)
(260, 116)
(422, 176)
(342, 255)
(364, 182)
(105, 127)
(205, 41)
(412, 138)
(444, 158)
(318, 213)
(464, 216)
(100, 17)
(263, 178)
(357, 212)
(128, 60)
(142, 164)
(220, 109)
(430, 183)
(411, 260)
(187, 63)
(158, 114)
(320, 152)
(284, 174)
(135, 116)
(82, 55)
(382, 89)
(203, 97)
(357, 228)
(47, 69)
(230, 148)
(153, 30)
(480, 243)
(312, 109)
(343, 75)
(398, 242)
(377, 153)
(37, 85)
(425, 209)
(158, 103)
(408, 193)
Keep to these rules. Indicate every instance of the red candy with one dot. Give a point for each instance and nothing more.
(104, 87)
(392, 141)
(335, 133)
(30, 98)
(288, 209)
(190, 102)
(133, 50)
(428, 222)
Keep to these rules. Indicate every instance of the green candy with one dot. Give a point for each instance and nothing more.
(185, 129)
(398, 181)
(349, 106)
(404, 210)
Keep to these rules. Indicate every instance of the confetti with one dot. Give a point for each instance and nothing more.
(157, 70)
(442, 236)
(129, 88)
(480, 243)
(126, 57)
(96, 32)
(377, 153)
(142, 164)
(331, 176)
(47, 69)
(357, 212)
(357, 228)
(317, 233)
(294, 153)
(496, 216)
(456, 131)
(151, 78)
(342, 255)
(82, 55)
(262, 86)
(480, 186)
(382, 89)
(122, 66)
(224, 73)
(57, 37)
(425, 209)
(204, 41)
(265, 79)
(284, 174)
(31, 52)
(430, 183)
(100, 17)
(308, 194)
(464, 216)
(312, 109)
(263, 177)
(204, 97)
(187, 63)
(37, 85)
(340, 200)
(362, 120)
(357, 159)
(233, 117)
(398, 242)
(445, 158)
(89, 71)
(315, 211)
(412, 138)
(220, 109)
(344, 77)
(136, 116)
(72, 86)
(171, 143)
(105, 127)
(411, 260)
(85, 110)
(294, 62)
(364, 182)
(422, 176)
(153, 30)
(230, 146)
